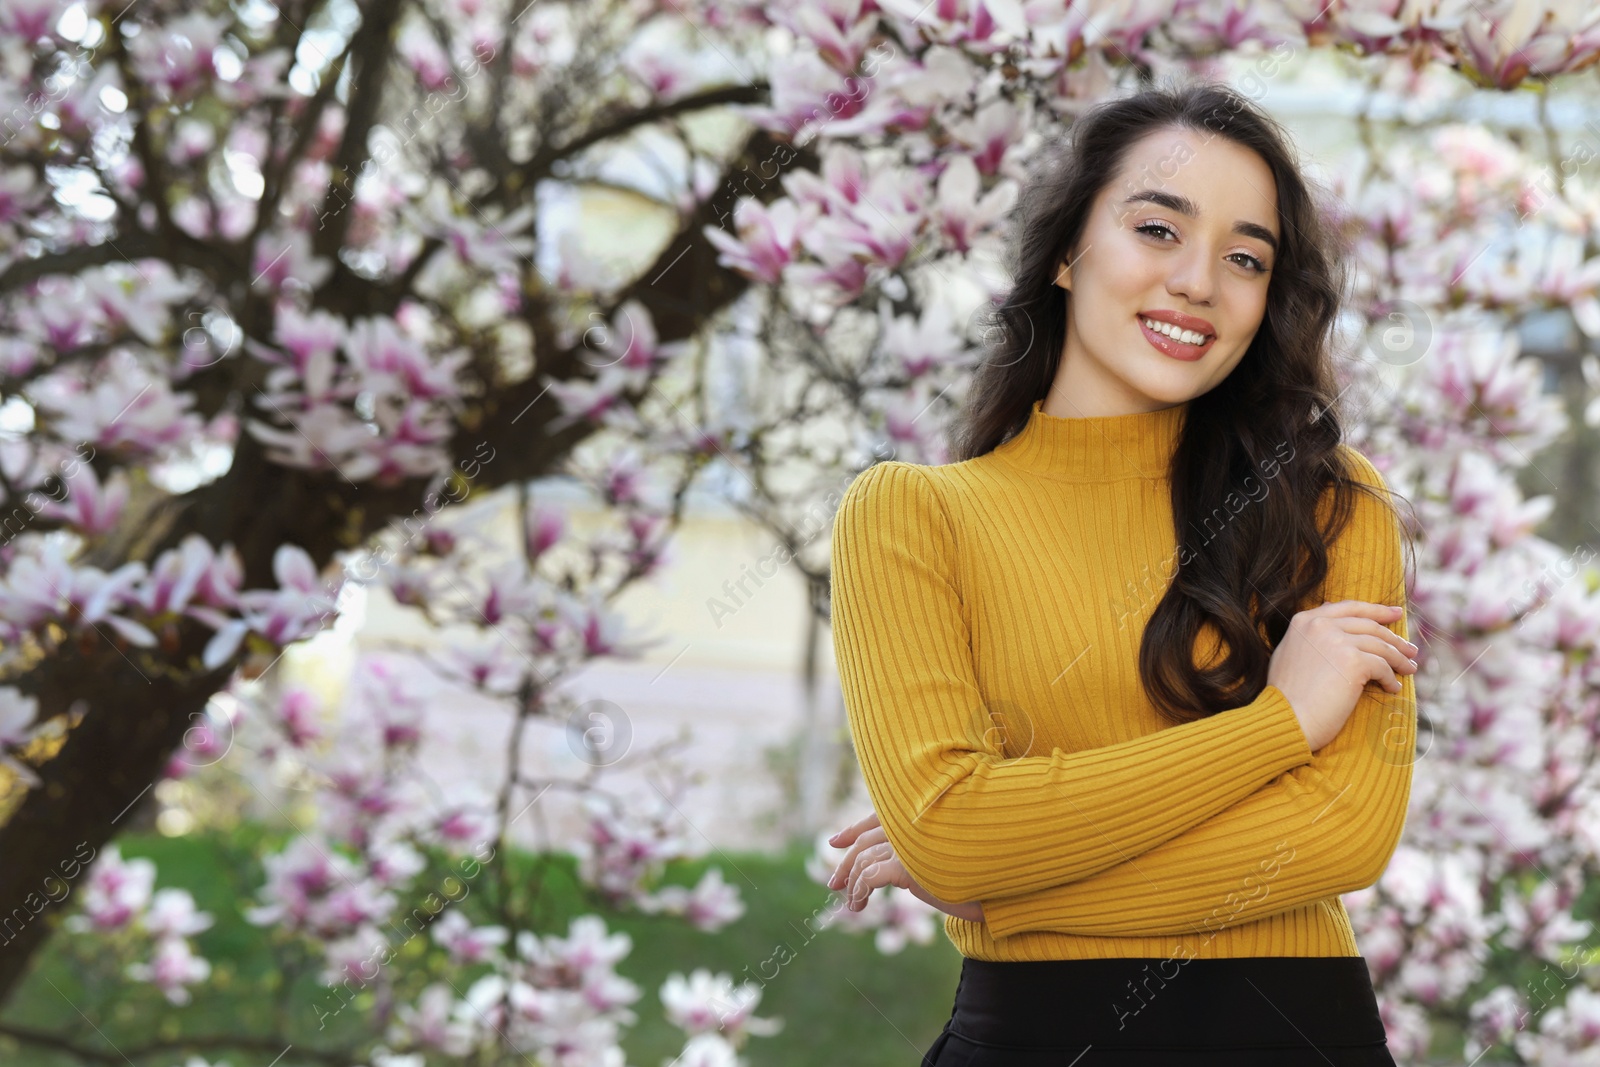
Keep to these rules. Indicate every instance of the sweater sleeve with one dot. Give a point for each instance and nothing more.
(1320, 829)
(967, 822)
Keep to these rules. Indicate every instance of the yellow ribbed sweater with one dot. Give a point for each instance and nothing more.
(986, 624)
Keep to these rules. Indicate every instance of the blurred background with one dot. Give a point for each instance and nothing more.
(421, 424)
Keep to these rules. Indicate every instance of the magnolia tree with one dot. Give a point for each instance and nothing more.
(276, 289)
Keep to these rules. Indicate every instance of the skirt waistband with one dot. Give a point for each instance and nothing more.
(1255, 1001)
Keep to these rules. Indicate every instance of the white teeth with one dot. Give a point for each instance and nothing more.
(1188, 337)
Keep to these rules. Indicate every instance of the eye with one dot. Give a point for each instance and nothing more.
(1254, 265)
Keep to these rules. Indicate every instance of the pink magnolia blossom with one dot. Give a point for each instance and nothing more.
(963, 215)
(545, 526)
(115, 891)
(324, 437)
(429, 1023)
(704, 1003)
(124, 410)
(807, 94)
(839, 30)
(391, 362)
(994, 136)
(309, 344)
(418, 47)
(922, 345)
(488, 665)
(29, 20)
(766, 237)
(140, 298)
(298, 713)
(50, 587)
(466, 943)
(710, 905)
(20, 192)
(281, 258)
(172, 969)
(707, 1050)
(178, 59)
(465, 824)
(496, 245)
(189, 574)
(91, 508)
(17, 727)
(172, 914)
(591, 399)
(1518, 40)
(264, 78)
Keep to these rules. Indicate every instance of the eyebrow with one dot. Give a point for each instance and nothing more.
(1184, 206)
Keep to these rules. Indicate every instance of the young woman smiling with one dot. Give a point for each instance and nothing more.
(1139, 814)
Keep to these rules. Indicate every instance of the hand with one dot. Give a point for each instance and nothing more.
(871, 863)
(1327, 657)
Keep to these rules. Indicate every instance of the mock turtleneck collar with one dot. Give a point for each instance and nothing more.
(1096, 448)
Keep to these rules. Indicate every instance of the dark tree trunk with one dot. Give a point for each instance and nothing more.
(111, 759)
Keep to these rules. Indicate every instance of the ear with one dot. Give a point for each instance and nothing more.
(1064, 276)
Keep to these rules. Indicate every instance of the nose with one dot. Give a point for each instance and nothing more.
(1192, 277)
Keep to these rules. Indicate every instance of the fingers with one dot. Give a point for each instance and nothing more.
(1384, 613)
(874, 836)
(1385, 663)
(869, 838)
(1363, 627)
(1394, 660)
(861, 884)
(848, 834)
(1367, 626)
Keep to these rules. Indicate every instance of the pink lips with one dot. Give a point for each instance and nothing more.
(1176, 349)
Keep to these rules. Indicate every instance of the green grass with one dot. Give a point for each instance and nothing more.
(840, 999)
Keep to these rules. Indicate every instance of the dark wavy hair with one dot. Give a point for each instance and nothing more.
(1282, 390)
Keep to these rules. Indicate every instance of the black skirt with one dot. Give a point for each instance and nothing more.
(1256, 1011)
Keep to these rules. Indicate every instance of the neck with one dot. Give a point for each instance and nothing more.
(1096, 447)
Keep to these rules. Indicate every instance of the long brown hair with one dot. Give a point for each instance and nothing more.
(1280, 396)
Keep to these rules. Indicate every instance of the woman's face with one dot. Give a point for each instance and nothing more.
(1187, 230)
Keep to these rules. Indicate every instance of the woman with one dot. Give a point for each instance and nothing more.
(1128, 681)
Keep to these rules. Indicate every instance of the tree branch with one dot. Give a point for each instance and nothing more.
(374, 43)
(177, 247)
(538, 168)
(203, 1042)
(275, 169)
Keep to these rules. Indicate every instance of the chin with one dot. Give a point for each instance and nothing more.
(1167, 393)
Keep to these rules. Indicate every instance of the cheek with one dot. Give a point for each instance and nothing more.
(1135, 271)
(1120, 267)
(1235, 357)
(1245, 314)
(1249, 302)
